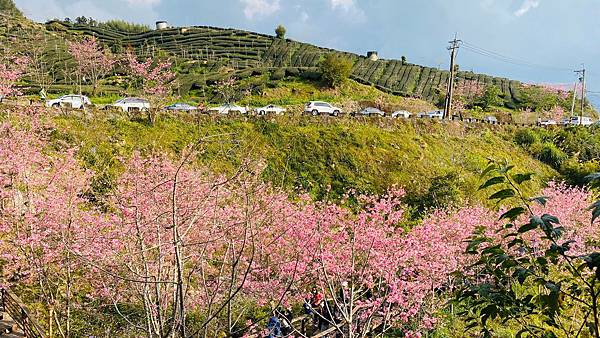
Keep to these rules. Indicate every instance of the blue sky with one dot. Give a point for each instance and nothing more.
(539, 41)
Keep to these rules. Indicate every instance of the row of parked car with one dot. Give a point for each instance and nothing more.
(573, 121)
(314, 108)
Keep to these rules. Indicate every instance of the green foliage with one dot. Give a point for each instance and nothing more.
(217, 53)
(280, 32)
(526, 137)
(324, 160)
(124, 26)
(491, 97)
(530, 286)
(551, 155)
(443, 192)
(278, 74)
(573, 151)
(336, 69)
(9, 7)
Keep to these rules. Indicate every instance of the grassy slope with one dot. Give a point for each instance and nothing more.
(311, 154)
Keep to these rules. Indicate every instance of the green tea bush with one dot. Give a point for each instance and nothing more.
(551, 155)
(526, 137)
(278, 74)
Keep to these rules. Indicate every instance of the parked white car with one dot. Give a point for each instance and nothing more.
(579, 121)
(401, 114)
(435, 114)
(228, 109)
(490, 119)
(181, 107)
(269, 109)
(70, 101)
(370, 111)
(131, 104)
(546, 123)
(320, 107)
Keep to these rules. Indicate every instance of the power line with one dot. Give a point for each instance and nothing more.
(507, 59)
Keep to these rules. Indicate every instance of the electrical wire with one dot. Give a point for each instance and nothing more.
(507, 59)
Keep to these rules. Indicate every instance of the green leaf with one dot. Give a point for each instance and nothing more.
(595, 211)
(549, 219)
(487, 170)
(592, 177)
(492, 181)
(502, 195)
(520, 178)
(505, 169)
(512, 214)
(527, 227)
(542, 200)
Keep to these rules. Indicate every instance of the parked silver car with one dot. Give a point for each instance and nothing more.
(435, 114)
(369, 111)
(269, 109)
(131, 104)
(181, 107)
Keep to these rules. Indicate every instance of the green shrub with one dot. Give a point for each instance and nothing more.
(311, 75)
(294, 72)
(575, 172)
(551, 155)
(335, 69)
(444, 191)
(278, 74)
(8, 6)
(526, 137)
(280, 32)
(124, 26)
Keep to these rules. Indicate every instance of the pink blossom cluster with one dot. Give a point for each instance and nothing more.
(92, 60)
(155, 76)
(11, 72)
(236, 239)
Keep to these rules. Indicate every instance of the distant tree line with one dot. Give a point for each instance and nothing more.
(116, 24)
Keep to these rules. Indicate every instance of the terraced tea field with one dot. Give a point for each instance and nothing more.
(248, 53)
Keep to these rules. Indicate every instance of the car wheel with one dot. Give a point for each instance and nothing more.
(262, 112)
(315, 112)
(336, 112)
(56, 105)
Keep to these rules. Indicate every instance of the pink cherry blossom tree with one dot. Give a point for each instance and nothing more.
(47, 226)
(93, 61)
(11, 71)
(156, 78)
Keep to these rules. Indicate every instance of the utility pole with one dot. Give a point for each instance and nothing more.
(574, 97)
(581, 74)
(454, 45)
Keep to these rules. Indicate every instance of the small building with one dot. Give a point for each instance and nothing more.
(161, 25)
(373, 55)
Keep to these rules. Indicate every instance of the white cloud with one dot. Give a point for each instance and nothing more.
(348, 7)
(526, 7)
(304, 16)
(260, 8)
(143, 2)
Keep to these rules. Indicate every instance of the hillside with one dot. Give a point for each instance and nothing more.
(251, 53)
(435, 162)
(205, 54)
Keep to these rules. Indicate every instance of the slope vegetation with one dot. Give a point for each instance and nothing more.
(247, 51)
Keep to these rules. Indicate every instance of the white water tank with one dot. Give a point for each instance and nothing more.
(373, 55)
(161, 25)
